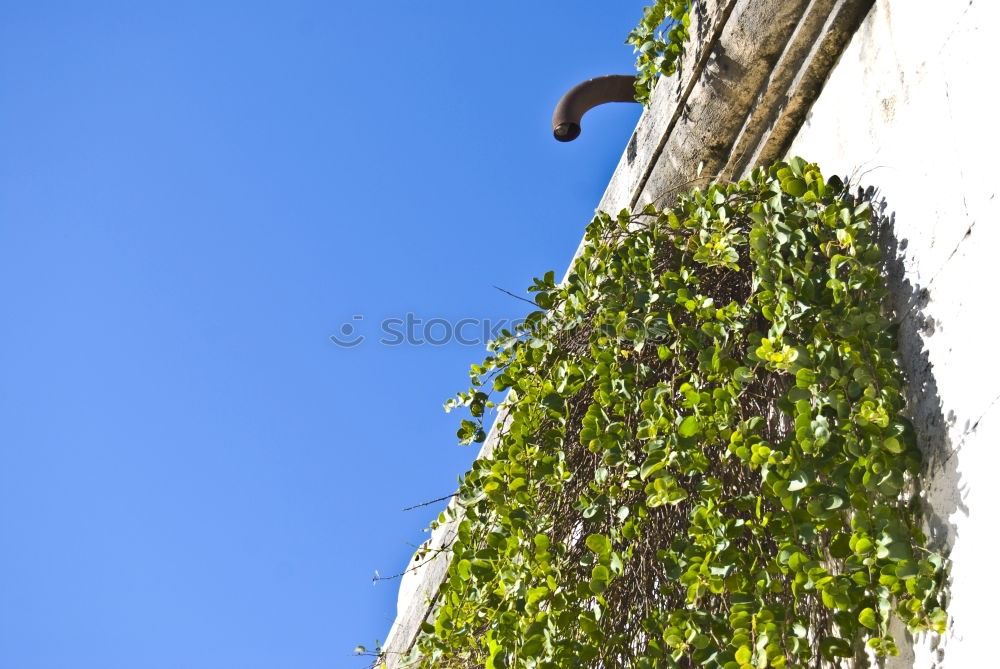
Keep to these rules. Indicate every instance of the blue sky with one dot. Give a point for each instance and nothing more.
(193, 197)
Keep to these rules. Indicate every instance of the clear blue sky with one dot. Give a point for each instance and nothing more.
(193, 197)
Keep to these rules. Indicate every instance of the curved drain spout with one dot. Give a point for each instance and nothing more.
(586, 96)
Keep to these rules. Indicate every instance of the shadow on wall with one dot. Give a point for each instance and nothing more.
(940, 486)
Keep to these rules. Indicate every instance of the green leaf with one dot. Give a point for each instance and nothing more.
(655, 462)
(599, 544)
(537, 594)
(868, 618)
(893, 445)
(468, 432)
(939, 621)
(798, 481)
(840, 547)
(906, 570)
(759, 240)
(689, 427)
(598, 587)
(831, 647)
(805, 377)
(599, 577)
(794, 187)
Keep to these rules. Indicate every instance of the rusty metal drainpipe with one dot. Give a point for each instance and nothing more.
(585, 96)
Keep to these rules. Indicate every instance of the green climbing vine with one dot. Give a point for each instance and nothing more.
(702, 458)
(659, 41)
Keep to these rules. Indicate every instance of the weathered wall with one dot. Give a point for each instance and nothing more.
(892, 95)
(909, 108)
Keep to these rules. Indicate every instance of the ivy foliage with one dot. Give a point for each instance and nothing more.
(702, 459)
(659, 41)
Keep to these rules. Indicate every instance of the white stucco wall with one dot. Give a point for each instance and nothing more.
(910, 108)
